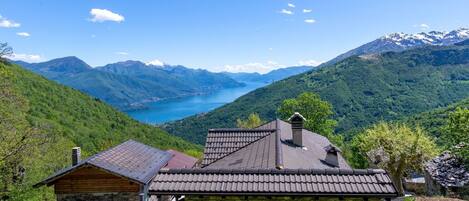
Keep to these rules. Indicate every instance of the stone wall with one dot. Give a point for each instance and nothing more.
(272, 198)
(98, 197)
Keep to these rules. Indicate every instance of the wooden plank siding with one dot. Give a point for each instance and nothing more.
(93, 180)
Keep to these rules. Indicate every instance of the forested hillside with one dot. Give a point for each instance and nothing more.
(362, 89)
(128, 85)
(45, 119)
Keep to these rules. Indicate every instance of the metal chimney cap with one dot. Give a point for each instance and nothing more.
(297, 114)
(332, 149)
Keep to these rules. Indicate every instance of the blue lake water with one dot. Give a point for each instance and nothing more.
(174, 109)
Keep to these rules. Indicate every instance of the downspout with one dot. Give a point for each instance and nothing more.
(144, 191)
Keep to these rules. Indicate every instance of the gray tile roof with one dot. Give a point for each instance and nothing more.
(308, 182)
(133, 160)
(271, 149)
(221, 142)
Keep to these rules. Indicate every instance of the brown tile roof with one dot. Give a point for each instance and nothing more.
(268, 146)
(133, 160)
(180, 160)
(221, 142)
(308, 182)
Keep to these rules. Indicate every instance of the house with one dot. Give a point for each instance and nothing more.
(123, 172)
(446, 175)
(278, 160)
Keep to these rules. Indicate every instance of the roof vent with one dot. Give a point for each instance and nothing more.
(76, 155)
(332, 158)
(296, 121)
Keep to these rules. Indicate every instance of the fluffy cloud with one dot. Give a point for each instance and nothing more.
(122, 53)
(253, 67)
(291, 5)
(101, 15)
(307, 10)
(309, 62)
(310, 21)
(285, 11)
(155, 62)
(26, 57)
(8, 23)
(23, 34)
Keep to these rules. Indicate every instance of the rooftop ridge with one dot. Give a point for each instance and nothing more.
(239, 129)
(330, 171)
(278, 147)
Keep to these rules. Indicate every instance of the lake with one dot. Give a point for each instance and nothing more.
(174, 109)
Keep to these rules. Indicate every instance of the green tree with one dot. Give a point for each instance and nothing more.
(396, 148)
(318, 113)
(5, 51)
(456, 133)
(253, 121)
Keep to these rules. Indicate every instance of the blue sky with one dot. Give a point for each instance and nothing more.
(236, 35)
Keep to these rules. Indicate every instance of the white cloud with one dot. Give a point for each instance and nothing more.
(424, 26)
(26, 57)
(285, 11)
(155, 62)
(253, 67)
(122, 53)
(307, 10)
(309, 62)
(101, 15)
(310, 21)
(23, 34)
(8, 23)
(291, 5)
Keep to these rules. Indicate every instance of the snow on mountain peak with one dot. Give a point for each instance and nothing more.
(427, 38)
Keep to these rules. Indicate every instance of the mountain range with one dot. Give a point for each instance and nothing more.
(272, 76)
(129, 84)
(362, 89)
(402, 41)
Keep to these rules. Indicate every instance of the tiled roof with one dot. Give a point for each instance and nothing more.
(221, 142)
(133, 160)
(311, 182)
(180, 160)
(260, 149)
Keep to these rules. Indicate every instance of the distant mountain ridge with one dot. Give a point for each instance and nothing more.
(362, 90)
(129, 84)
(397, 42)
(272, 76)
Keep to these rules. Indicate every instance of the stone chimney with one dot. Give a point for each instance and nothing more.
(76, 155)
(297, 121)
(332, 158)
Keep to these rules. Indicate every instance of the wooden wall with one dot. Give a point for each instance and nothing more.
(93, 180)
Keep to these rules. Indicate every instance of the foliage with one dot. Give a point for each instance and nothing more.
(362, 91)
(396, 148)
(456, 133)
(317, 112)
(5, 51)
(46, 119)
(253, 121)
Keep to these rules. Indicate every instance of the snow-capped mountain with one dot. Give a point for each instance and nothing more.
(402, 41)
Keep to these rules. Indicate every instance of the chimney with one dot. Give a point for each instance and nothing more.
(76, 154)
(332, 158)
(296, 121)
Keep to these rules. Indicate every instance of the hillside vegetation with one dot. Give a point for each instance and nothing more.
(47, 119)
(362, 89)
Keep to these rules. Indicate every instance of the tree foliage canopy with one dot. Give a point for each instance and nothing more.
(456, 133)
(396, 148)
(252, 121)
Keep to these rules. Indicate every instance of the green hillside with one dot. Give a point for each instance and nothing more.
(362, 90)
(433, 120)
(87, 121)
(53, 118)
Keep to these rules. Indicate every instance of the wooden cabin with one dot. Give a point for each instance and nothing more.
(123, 172)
